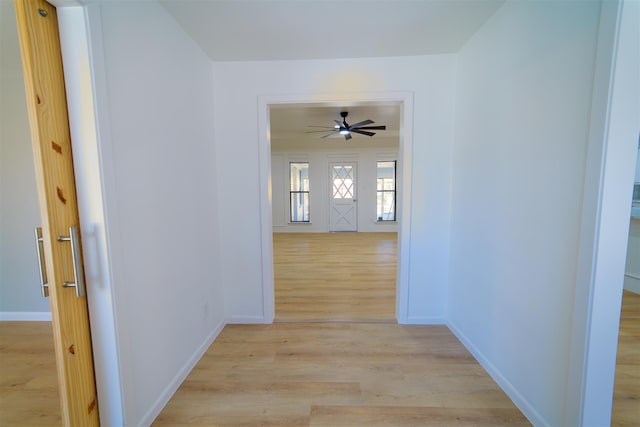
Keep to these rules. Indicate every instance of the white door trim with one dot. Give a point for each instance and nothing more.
(613, 139)
(85, 84)
(405, 101)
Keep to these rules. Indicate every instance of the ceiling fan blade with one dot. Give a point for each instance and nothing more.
(339, 123)
(369, 128)
(356, 125)
(328, 135)
(363, 132)
(347, 136)
(317, 131)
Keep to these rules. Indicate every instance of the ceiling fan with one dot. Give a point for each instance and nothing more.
(345, 129)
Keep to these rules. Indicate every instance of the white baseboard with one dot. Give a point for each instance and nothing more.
(534, 417)
(246, 320)
(24, 316)
(425, 320)
(179, 378)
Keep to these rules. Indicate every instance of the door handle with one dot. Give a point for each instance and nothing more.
(78, 269)
(41, 269)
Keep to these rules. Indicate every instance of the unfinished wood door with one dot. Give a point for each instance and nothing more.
(46, 101)
(342, 197)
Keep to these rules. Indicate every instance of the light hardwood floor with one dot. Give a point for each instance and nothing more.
(335, 276)
(626, 394)
(338, 374)
(28, 382)
(314, 374)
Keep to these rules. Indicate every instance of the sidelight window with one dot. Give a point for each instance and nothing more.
(299, 191)
(386, 191)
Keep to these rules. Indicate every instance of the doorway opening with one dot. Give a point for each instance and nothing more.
(328, 262)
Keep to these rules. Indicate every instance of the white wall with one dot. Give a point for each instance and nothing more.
(155, 122)
(238, 86)
(522, 123)
(366, 160)
(20, 295)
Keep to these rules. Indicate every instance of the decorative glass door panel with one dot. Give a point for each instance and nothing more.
(342, 203)
(342, 178)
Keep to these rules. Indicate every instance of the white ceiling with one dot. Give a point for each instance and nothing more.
(242, 30)
(252, 30)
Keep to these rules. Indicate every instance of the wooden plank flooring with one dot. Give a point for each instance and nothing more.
(626, 394)
(314, 374)
(28, 381)
(335, 276)
(338, 374)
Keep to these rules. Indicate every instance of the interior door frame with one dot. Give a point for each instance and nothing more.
(612, 140)
(405, 101)
(355, 192)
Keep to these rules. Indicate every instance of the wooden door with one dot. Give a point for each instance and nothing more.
(46, 101)
(343, 212)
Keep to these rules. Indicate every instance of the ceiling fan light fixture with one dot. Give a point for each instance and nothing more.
(345, 129)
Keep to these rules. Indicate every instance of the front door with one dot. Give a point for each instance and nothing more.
(342, 197)
(48, 118)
